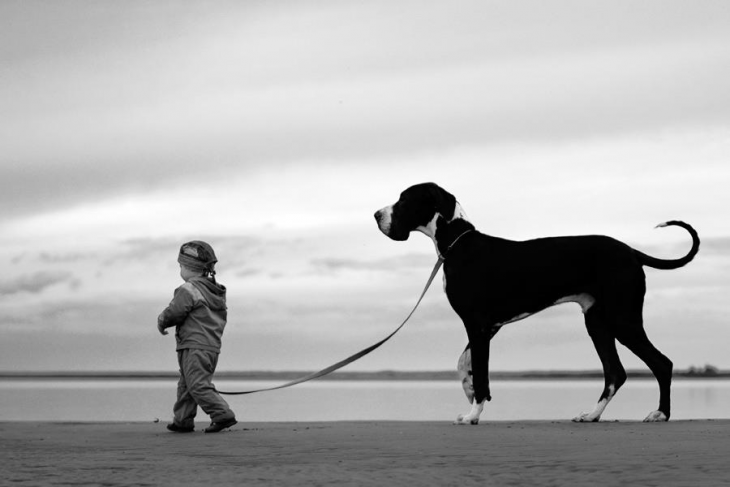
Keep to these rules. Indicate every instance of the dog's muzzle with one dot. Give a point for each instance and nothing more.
(384, 218)
(386, 224)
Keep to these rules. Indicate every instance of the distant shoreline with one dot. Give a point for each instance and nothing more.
(382, 375)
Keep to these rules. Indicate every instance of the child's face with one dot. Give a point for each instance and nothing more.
(186, 273)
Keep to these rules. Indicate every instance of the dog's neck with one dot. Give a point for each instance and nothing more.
(449, 234)
(445, 233)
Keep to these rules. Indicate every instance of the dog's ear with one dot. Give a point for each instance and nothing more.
(443, 201)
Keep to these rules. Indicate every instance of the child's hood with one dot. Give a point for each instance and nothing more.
(214, 293)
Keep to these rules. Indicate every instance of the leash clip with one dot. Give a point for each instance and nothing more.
(448, 249)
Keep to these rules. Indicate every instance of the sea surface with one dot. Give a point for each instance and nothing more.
(152, 400)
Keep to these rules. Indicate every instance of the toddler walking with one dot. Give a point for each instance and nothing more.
(198, 312)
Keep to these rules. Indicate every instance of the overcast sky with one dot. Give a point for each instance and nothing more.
(274, 130)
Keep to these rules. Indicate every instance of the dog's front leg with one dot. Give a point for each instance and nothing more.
(479, 344)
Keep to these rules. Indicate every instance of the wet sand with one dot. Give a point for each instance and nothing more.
(691, 453)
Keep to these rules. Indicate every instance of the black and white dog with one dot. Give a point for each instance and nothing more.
(491, 281)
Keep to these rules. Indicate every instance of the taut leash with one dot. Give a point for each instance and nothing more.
(351, 358)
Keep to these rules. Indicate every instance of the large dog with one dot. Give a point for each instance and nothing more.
(491, 281)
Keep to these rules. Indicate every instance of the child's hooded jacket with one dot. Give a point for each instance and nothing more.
(198, 312)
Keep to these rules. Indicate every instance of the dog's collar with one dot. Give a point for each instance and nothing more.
(448, 249)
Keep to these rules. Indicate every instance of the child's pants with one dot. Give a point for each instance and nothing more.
(195, 388)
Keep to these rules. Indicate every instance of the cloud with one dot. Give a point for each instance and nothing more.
(248, 272)
(35, 283)
(110, 316)
(146, 105)
(407, 261)
(64, 257)
(715, 246)
(143, 250)
(230, 248)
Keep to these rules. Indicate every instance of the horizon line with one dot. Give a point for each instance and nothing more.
(387, 374)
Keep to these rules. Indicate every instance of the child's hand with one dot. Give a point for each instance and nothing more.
(159, 326)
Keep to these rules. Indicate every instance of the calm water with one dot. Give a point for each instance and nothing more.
(147, 400)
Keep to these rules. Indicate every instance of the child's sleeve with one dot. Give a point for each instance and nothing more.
(178, 309)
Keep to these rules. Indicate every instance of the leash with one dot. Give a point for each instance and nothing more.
(351, 358)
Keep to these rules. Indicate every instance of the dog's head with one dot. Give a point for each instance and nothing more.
(419, 208)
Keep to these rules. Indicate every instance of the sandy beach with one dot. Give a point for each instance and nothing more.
(692, 453)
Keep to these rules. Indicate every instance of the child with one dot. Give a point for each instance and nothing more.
(198, 312)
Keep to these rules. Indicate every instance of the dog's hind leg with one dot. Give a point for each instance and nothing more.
(637, 341)
(613, 372)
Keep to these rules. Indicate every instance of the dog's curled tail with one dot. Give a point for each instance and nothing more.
(666, 264)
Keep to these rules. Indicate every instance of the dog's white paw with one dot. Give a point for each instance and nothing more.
(587, 418)
(472, 417)
(466, 419)
(656, 417)
(595, 415)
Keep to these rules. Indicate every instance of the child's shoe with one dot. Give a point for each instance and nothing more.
(180, 429)
(216, 427)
